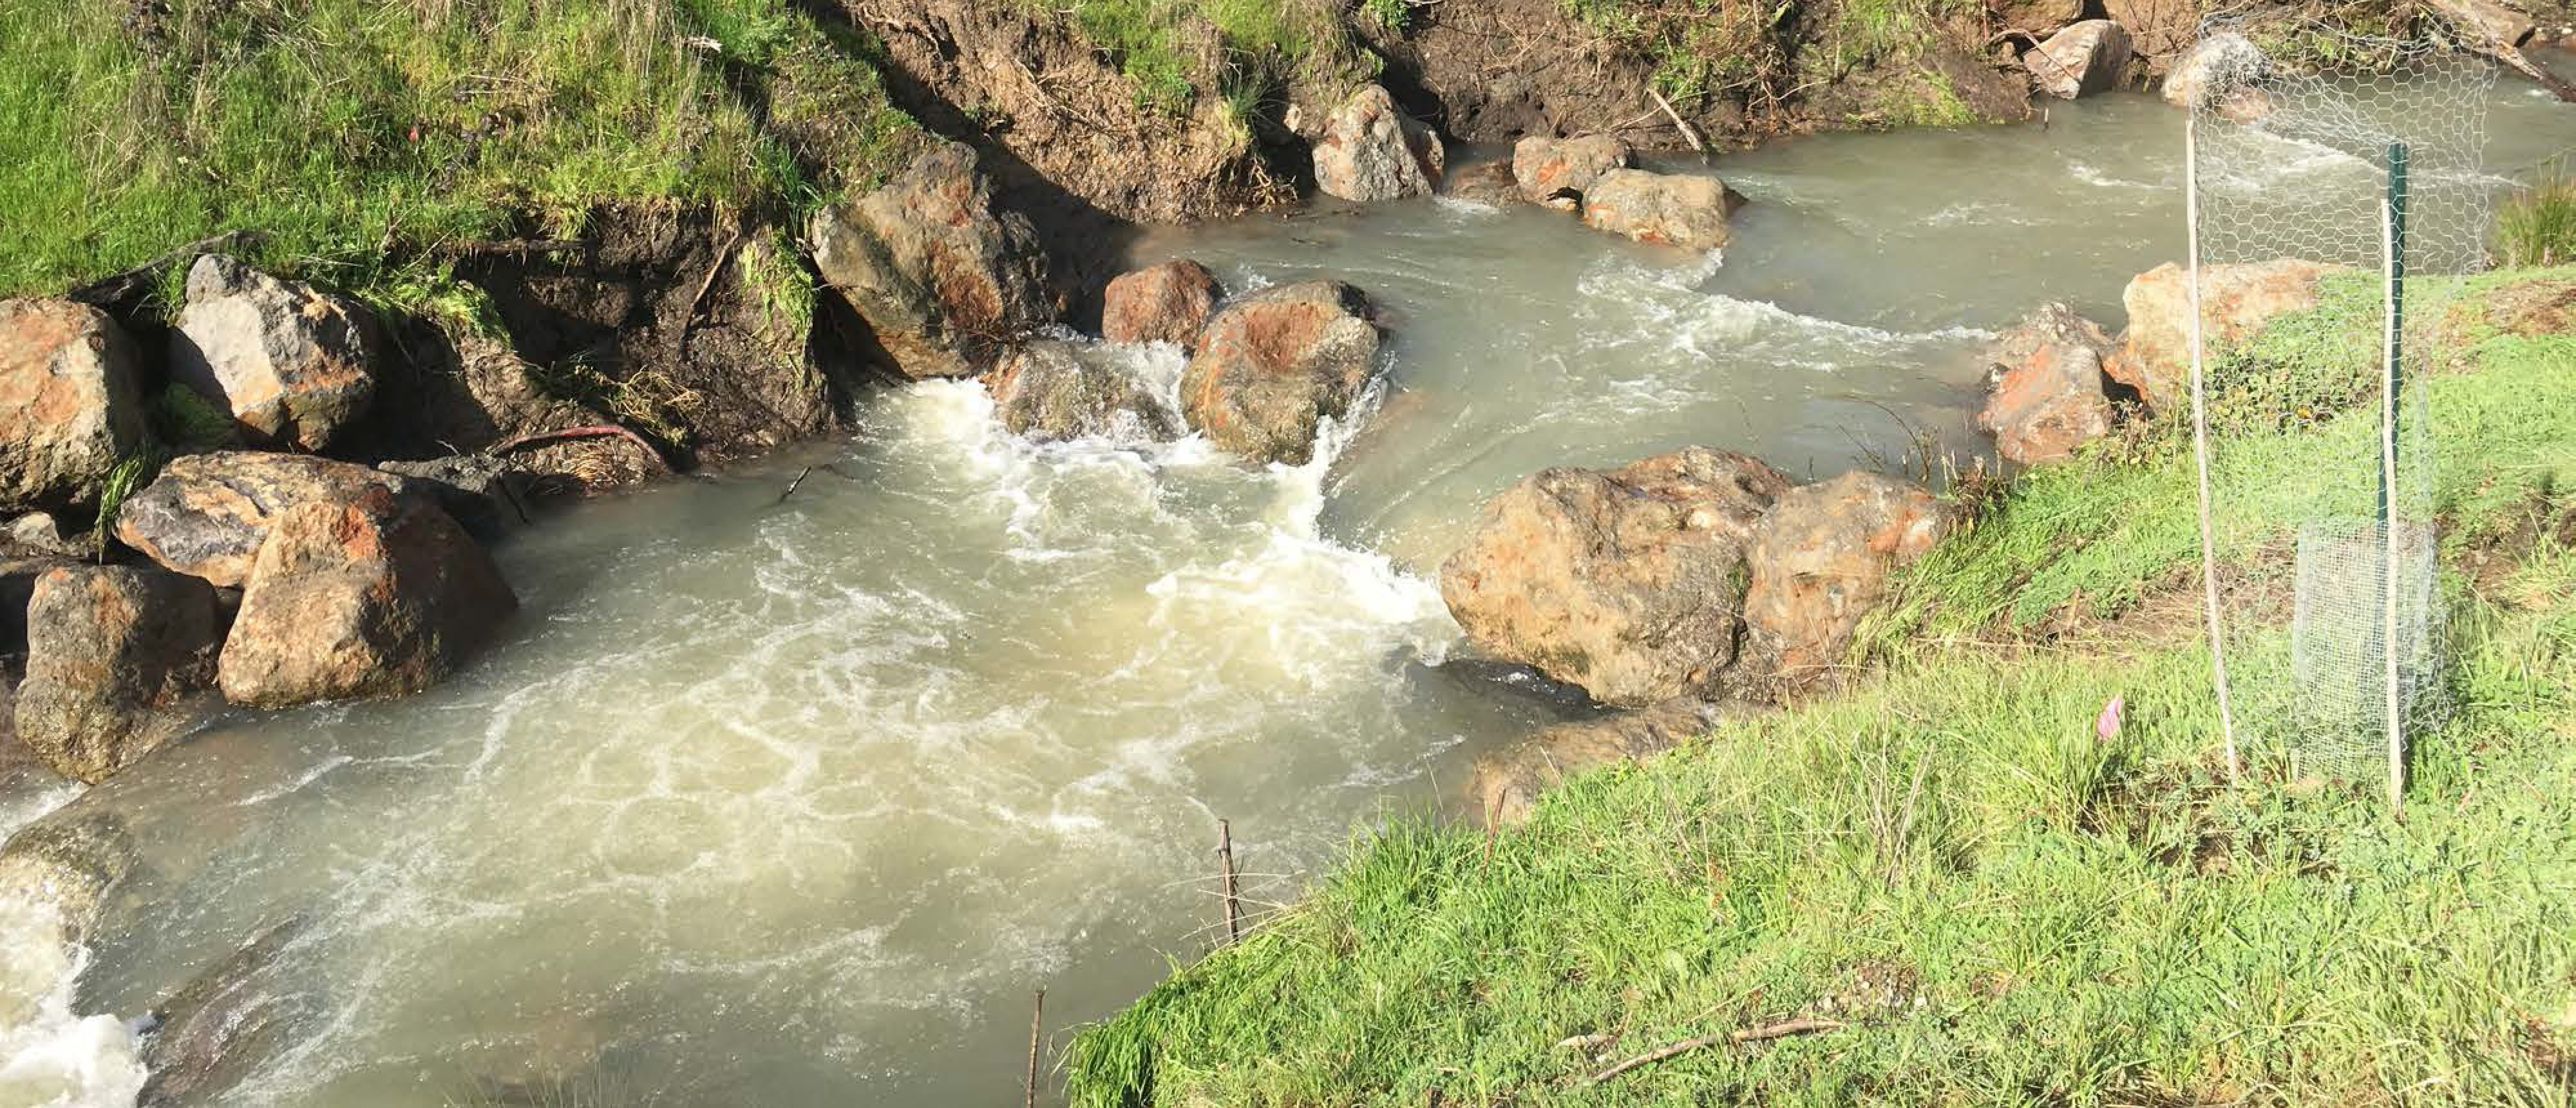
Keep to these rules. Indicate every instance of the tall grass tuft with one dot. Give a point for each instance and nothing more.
(2537, 226)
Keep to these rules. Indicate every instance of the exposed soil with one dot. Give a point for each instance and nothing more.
(1063, 134)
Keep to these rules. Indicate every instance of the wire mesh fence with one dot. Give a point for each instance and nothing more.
(2338, 198)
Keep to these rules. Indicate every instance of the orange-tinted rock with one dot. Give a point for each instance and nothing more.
(206, 515)
(291, 364)
(1668, 209)
(1557, 172)
(947, 284)
(1820, 563)
(2044, 394)
(378, 596)
(1275, 363)
(69, 409)
(2237, 300)
(1628, 582)
(1170, 303)
(115, 657)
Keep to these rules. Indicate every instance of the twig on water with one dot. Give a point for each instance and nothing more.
(1225, 869)
(792, 486)
(1037, 1025)
(1747, 1035)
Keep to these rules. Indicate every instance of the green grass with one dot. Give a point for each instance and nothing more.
(2091, 537)
(2537, 225)
(1259, 44)
(347, 132)
(1998, 906)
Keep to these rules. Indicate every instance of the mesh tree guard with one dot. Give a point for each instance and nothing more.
(2337, 200)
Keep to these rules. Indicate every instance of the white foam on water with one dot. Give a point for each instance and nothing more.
(50, 1055)
(1625, 303)
(1464, 209)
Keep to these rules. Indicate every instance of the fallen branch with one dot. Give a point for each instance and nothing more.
(723, 253)
(520, 247)
(591, 431)
(798, 483)
(1690, 134)
(116, 288)
(1037, 1026)
(1747, 1035)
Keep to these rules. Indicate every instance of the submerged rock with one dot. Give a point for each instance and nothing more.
(2044, 388)
(2236, 302)
(1558, 172)
(1276, 363)
(207, 514)
(1821, 560)
(377, 596)
(1052, 389)
(947, 284)
(222, 1024)
(1486, 183)
(1170, 303)
(291, 364)
(1372, 151)
(70, 861)
(116, 655)
(1629, 583)
(2087, 57)
(1669, 209)
(1509, 781)
(69, 405)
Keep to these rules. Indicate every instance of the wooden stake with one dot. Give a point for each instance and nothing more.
(796, 484)
(1037, 1026)
(1225, 870)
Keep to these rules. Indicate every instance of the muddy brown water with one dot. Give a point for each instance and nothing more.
(786, 803)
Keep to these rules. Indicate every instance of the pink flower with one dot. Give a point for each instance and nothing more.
(2107, 725)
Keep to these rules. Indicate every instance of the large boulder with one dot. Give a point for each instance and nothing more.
(207, 514)
(947, 284)
(1629, 582)
(116, 655)
(1668, 209)
(1275, 363)
(2044, 387)
(1558, 172)
(1052, 389)
(2236, 302)
(1509, 781)
(1821, 561)
(2220, 72)
(2489, 22)
(376, 596)
(2087, 57)
(69, 407)
(1170, 303)
(1372, 151)
(291, 364)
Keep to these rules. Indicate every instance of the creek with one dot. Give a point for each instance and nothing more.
(795, 801)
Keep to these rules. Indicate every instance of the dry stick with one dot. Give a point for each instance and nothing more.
(117, 286)
(590, 431)
(1689, 133)
(1037, 1024)
(792, 486)
(1747, 1035)
(1225, 866)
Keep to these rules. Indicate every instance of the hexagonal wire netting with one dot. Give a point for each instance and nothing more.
(2362, 157)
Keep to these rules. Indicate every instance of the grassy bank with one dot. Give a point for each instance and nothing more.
(1978, 899)
(348, 131)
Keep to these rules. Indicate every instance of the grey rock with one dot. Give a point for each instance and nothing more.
(293, 365)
